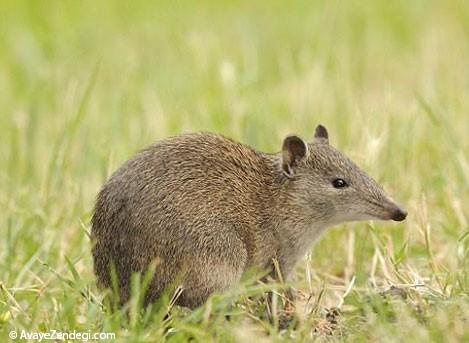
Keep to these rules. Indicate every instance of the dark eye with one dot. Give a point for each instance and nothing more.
(339, 183)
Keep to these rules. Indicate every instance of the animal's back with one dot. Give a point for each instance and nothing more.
(185, 203)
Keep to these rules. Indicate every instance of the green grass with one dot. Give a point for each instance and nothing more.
(85, 84)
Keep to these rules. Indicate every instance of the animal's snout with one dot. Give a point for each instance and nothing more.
(399, 215)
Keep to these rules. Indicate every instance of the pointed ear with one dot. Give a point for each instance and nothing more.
(294, 150)
(321, 135)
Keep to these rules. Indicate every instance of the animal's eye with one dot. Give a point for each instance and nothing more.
(339, 183)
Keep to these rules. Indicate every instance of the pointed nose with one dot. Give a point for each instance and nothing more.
(399, 215)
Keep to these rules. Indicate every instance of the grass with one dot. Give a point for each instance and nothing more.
(86, 84)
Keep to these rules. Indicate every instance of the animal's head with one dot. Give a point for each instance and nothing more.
(329, 186)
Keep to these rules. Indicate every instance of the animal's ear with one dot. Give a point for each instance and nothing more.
(321, 135)
(294, 150)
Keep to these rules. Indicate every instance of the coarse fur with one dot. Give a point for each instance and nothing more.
(203, 209)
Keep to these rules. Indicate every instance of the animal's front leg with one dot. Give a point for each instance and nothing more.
(281, 302)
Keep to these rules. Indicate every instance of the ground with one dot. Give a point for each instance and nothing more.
(85, 84)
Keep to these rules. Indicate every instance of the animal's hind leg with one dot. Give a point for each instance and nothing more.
(207, 276)
(200, 264)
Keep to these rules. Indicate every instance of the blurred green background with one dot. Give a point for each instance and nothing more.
(85, 84)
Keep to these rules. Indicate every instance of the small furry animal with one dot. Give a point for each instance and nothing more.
(203, 209)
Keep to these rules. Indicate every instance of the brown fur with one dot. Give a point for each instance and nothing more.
(204, 209)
